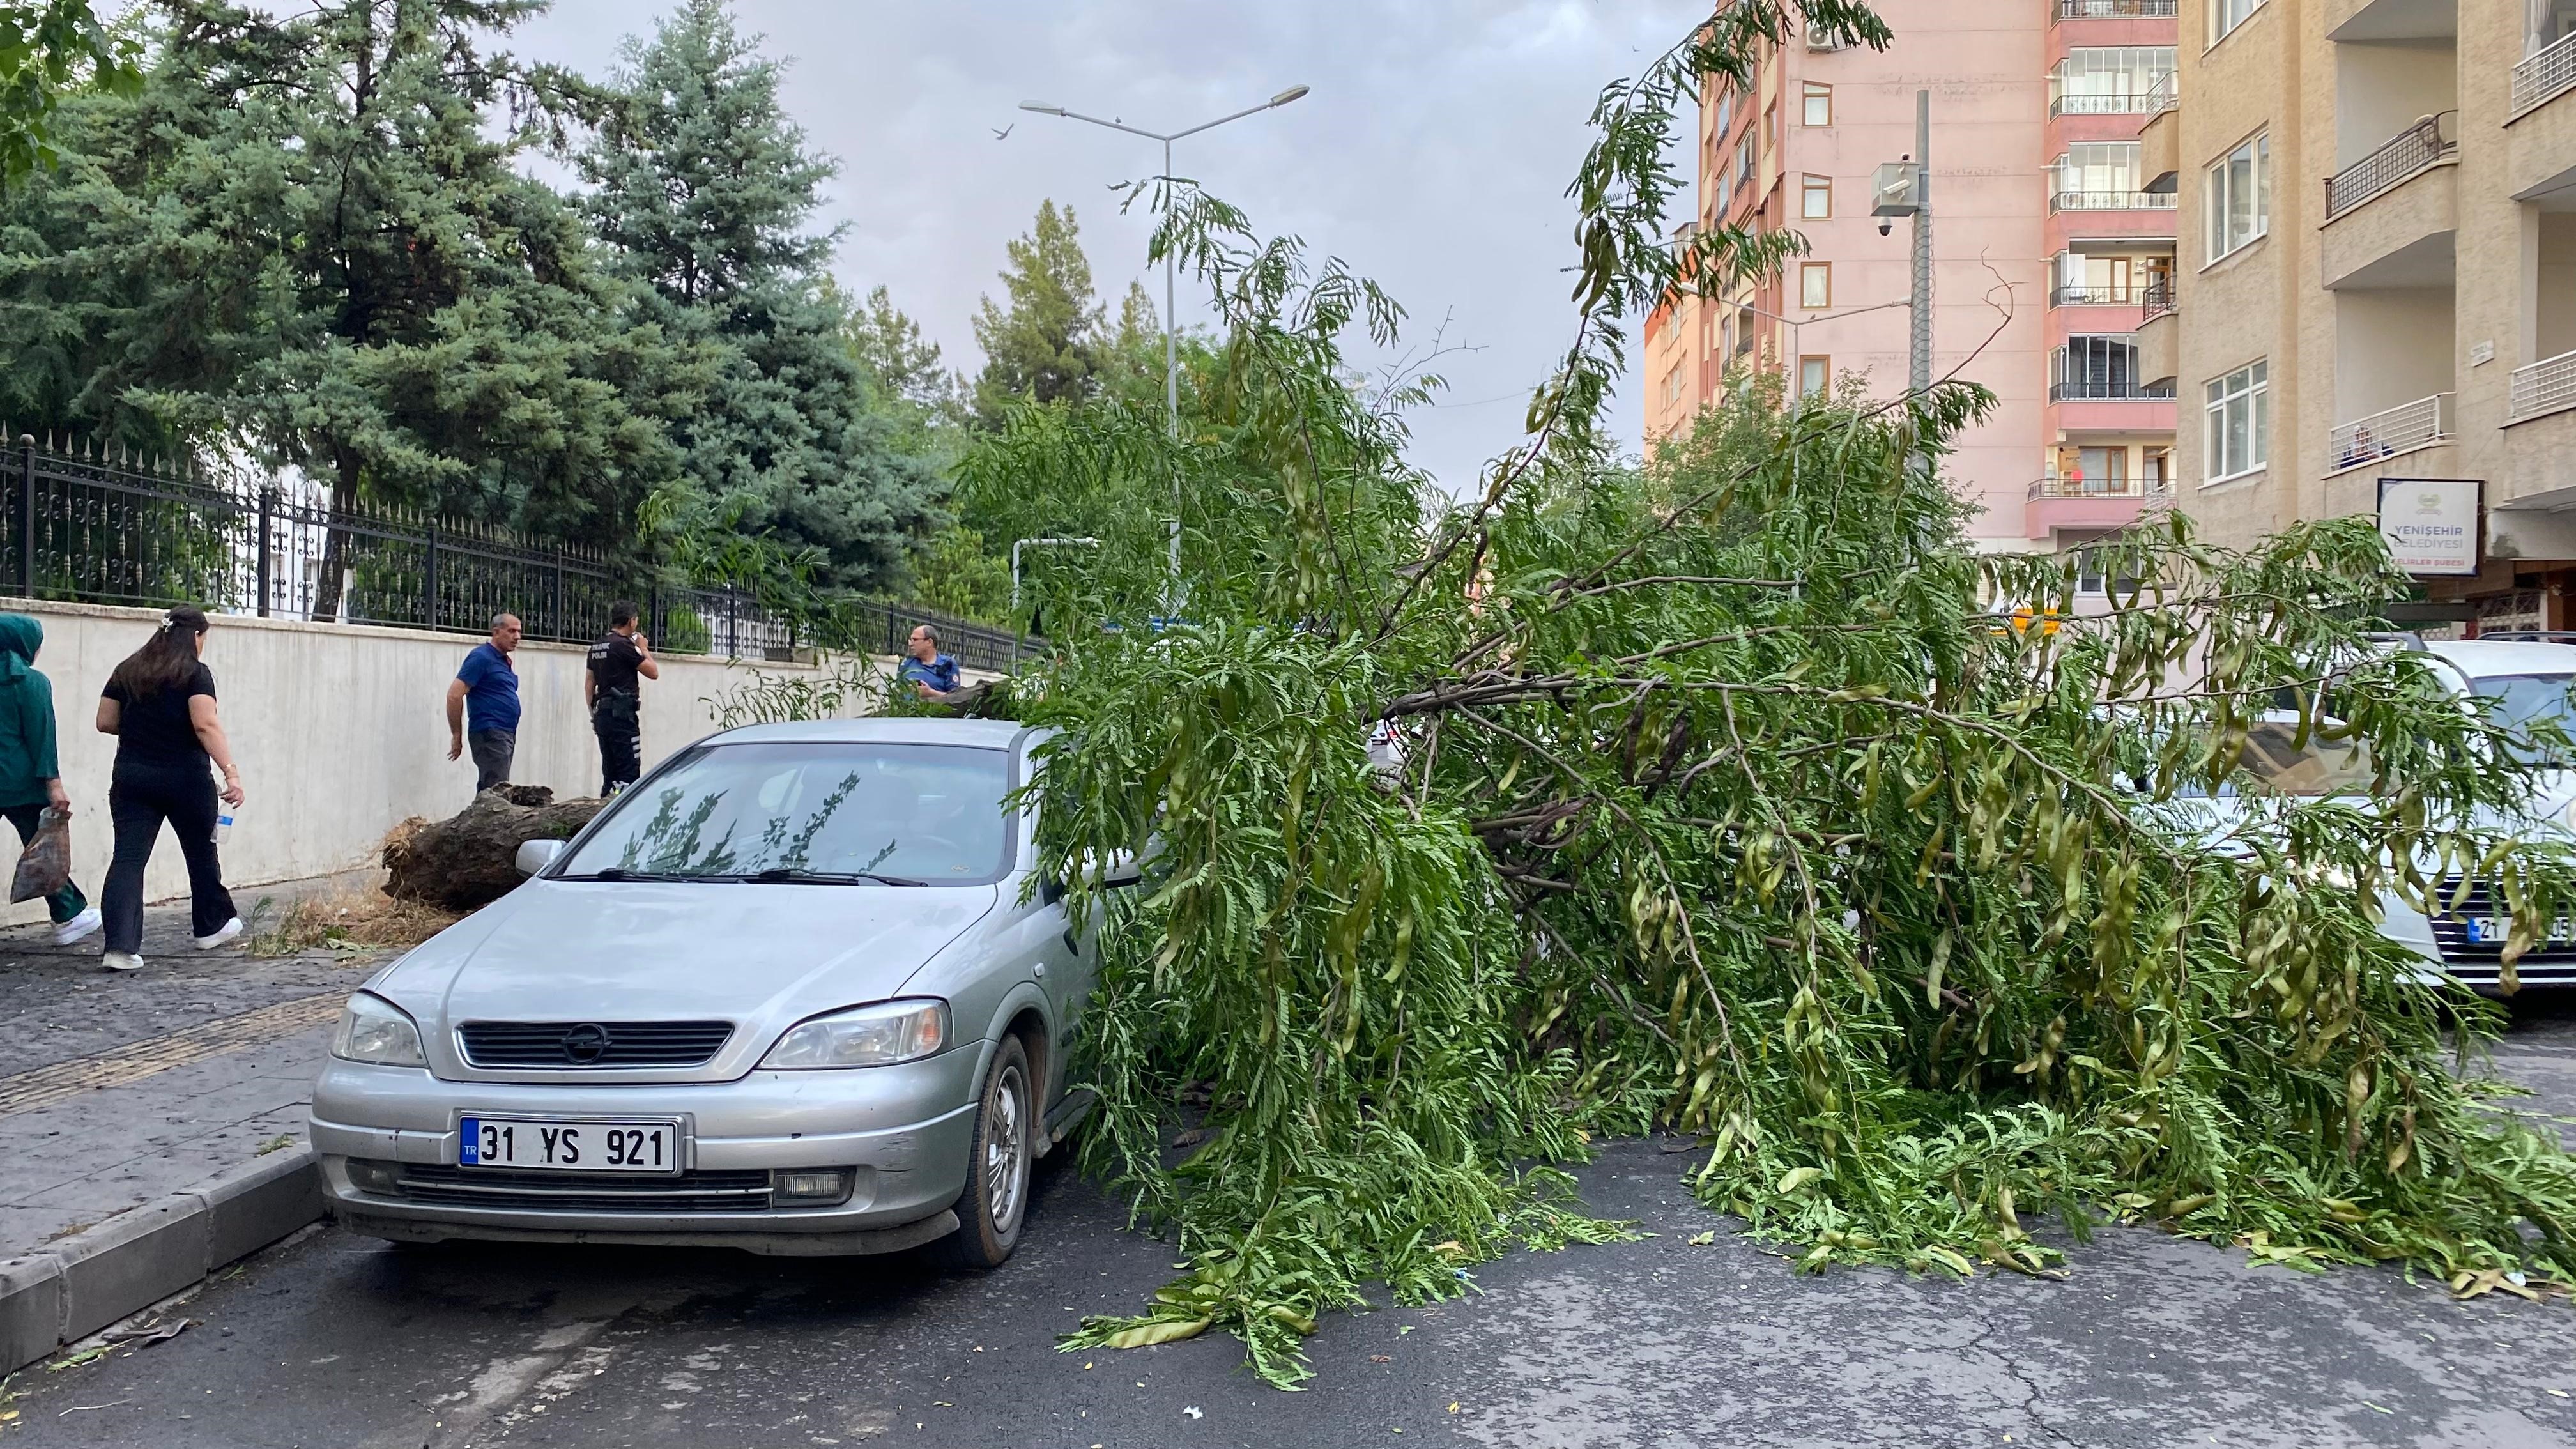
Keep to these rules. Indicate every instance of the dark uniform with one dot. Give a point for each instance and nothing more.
(615, 712)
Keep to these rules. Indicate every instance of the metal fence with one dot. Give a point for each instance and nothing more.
(85, 526)
(2122, 103)
(2114, 9)
(2111, 201)
(2157, 300)
(2545, 386)
(2544, 74)
(2401, 429)
(2402, 156)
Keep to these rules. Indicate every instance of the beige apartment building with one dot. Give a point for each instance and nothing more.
(2377, 279)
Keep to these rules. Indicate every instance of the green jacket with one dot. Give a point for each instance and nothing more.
(26, 714)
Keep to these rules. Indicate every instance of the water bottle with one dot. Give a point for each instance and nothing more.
(223, 824)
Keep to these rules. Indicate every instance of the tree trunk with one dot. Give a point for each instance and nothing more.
(471, 859)
(335, 540)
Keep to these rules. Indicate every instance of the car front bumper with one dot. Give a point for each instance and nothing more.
(902, 1133)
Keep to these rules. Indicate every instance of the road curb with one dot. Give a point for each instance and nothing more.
(75, 1286)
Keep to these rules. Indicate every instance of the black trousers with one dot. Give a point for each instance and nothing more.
(63, 904)
(139, 800)
(492, 751)
(614, 717)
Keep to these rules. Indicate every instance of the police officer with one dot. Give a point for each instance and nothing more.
(617, 661)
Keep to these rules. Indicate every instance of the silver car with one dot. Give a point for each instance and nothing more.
(794, 992)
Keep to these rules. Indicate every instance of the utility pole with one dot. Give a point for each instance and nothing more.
(1918, 371)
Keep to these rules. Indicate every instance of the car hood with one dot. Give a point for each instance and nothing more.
(2232, 824)
(762, 956)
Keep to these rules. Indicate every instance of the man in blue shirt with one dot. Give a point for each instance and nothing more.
(483, 706)
(931, 672)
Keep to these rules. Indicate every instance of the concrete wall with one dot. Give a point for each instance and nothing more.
(2391, 347)
(340, 732)
(2385, 87)
(2553, 284)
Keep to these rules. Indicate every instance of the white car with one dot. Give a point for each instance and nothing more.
(2514, 679)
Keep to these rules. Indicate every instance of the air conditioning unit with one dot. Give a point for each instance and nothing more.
(1821, 40)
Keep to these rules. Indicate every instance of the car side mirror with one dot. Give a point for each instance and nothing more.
(1121, 868)
(536, 855)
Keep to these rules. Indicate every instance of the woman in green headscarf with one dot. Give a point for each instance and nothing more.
(31, 779)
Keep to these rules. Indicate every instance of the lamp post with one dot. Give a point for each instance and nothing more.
(1171, 324)
(1904, 188)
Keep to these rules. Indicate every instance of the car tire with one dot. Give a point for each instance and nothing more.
(998, 1177)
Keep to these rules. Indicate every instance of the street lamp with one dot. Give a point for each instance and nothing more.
(1171, 323)
(1904, 188)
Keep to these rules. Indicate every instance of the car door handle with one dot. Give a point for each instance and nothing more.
(1071, 943)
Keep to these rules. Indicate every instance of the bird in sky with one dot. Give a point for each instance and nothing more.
(1004, 134)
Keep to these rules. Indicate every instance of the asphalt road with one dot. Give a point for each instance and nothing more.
(341, 1341)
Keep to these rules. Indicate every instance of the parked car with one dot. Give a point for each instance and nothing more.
(2515, 680)
(795, 992)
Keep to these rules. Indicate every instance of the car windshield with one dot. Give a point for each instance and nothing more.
(892, 814)
(2515, 701)
(2282, 766)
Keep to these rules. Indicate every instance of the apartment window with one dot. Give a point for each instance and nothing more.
(1819, 102)
(1744, 331)
(1673, 385)
(1815, 376)
(2240, 196)
(1725, 113)
(1744, 163)
(2107, 79)
(2226, 15)
(2240, 421)
(2098, 367)
(1816, 198)
(1816, 285)
(2103, 169)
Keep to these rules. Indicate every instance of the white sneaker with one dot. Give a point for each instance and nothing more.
(77, 927)
(223, 933)
(122, 961)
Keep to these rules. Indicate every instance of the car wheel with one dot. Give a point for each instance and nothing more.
(997, 1168)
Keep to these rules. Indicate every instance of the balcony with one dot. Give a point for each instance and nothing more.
(2406, 428)
(2121, 104)
(2127, 295)
(2543, 77)
(2159, 334)
(2403, 157)
(2157, 297)
(2114, 10)
(2545, 387)
(2113, 390)
(2110, 201)
(2056, 505)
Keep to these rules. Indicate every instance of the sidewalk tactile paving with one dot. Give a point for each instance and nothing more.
(62, 1081)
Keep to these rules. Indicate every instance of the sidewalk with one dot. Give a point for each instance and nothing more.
(119, 1090)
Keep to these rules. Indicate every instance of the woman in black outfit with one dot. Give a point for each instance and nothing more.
(160, 705)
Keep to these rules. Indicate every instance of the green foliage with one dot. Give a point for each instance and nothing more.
(1726, 801)
(46, 48)
(778, 696)
(1041, 344)
(703, 191)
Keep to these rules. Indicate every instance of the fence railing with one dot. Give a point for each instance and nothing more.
(92, 528)
(2155, 300)
(2111, 200)
(2056, 487)
(2166, 93)
(2122, 103)
(2385, 434)
(2543, 75)
(2122, 295)
(2114, 9)
(2546, 386)
(2401, 157)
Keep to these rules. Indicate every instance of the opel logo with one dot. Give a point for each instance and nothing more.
(585, 1044)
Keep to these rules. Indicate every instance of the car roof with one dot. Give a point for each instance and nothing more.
(2477, 657)
(988, 734)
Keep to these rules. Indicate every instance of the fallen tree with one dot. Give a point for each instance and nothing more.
(1726, 801)
(470, 859)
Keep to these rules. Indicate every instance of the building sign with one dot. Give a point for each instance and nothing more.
(2433, 525)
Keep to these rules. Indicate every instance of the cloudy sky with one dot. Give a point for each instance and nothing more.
(1432, 155)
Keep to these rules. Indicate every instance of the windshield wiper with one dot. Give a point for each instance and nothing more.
(795, 875)
(621, 873)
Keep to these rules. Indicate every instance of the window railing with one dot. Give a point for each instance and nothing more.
(2123, 103)
(2108, 389)
(2111, 201)
(2544, 75)
(2055, 487)
(2407, 154)
(2401, 429)
(2546, 386)
(2157, 298)
(2114, 9)
(2118, 295)
(2165, 94)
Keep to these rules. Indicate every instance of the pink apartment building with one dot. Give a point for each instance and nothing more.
(2046, 247)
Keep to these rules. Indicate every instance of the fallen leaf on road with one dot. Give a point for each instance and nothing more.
(1193, 1412)
(1701, 1240)
(2367, 1404)
(2555, 1393)
(1453, 1406)
(146, 1337)
(1381, 1358)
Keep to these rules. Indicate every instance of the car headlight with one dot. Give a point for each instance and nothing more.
(373, 1029)
(864, 1036)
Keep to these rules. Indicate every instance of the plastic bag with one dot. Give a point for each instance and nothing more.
(45, 866)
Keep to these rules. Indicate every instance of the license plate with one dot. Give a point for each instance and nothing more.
(525, 1142)
(2494, 929)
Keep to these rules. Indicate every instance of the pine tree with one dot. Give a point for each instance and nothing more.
(705, 192)
(1045, 344)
